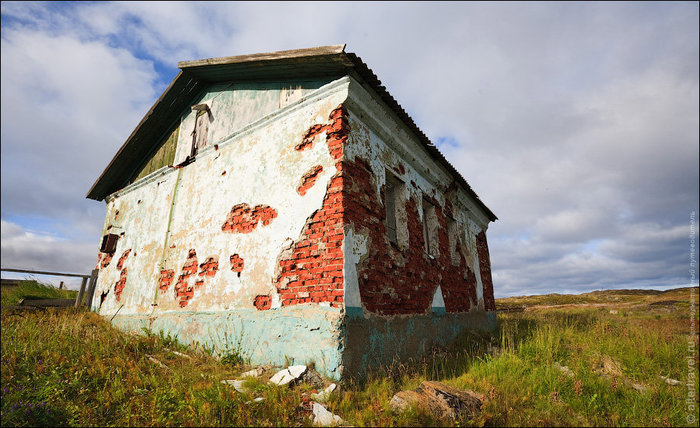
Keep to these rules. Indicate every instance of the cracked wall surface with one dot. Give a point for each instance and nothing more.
(293, 203)
(237, 202)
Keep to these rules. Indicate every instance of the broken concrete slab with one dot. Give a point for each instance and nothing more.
(288, 375)
(237, 385)
(323, 417)
(256, 372)
(325, 394)
(443, 401)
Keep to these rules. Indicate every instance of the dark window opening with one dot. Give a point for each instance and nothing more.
(109, 243)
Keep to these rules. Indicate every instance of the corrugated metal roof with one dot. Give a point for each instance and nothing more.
(324, 61)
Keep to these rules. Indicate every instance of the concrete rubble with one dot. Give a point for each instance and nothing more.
(323, 417)
(288, 375)
(325, 394)
(443, 401)
(237, 385)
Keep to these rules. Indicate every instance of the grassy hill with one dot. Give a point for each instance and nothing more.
(69, 367)
(33, 290)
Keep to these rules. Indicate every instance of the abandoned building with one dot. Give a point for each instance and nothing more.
(284, 205)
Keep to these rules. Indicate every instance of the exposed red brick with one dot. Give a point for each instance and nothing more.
(166, 278)
(309, 179)
(209, 267)
(482, 249)
(401, 281)
(237, 263)
(183, 291)
(308, 140)
(123, 258)
(107, 257)
(262, 302)
(243, 218)
(311, 270)
(119, 285)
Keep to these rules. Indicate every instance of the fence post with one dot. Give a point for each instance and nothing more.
(91, 288)
(79, 299)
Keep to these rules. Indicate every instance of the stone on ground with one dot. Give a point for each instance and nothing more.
(443, 401)
(285, 376)
(237, 385)
(254, 373)
(323, 395)
(323, 417)
(311, 377)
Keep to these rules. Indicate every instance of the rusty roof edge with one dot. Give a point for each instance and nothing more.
(368, 75)
(269, 56)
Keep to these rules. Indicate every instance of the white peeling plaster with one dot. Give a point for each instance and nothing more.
(355, 249)
(261, 167)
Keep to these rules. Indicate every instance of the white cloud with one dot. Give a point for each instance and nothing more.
(23, 249)
(576, 123)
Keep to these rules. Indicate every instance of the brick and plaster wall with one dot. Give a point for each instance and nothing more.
(242, 248)
(274, 240)
(405, 294)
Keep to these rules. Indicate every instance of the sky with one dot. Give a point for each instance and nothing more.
(576, 123)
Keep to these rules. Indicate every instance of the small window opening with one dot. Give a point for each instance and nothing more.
(453, 236)
(391, 192)
(109, 243)
(201, 128)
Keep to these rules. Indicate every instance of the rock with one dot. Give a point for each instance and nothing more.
(237, 385)
(155, 360)
(638, 386)
(613, 311)
(610, 366)
(255, 400)
(254, 373)
(323, 417)
(443, 401)
(564, 369)
(672, 382)
(323, 395)
(285, 376)
(311, 377)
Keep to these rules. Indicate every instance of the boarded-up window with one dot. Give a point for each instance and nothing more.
(164, 155)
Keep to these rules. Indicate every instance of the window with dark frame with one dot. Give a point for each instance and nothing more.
(109, 243)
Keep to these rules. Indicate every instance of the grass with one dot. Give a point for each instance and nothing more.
(68, 367)
(33, 290)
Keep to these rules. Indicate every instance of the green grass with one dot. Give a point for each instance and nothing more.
(33, 290)
(68, 367)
